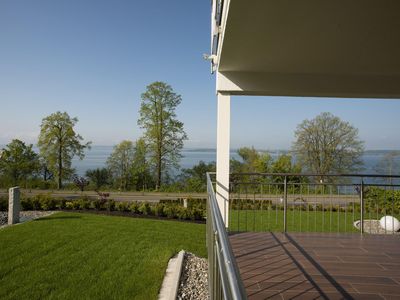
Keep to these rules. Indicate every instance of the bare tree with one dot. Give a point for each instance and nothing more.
(326, 144)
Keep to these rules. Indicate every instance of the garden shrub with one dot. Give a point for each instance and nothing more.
(98, 204)
(159, 210)
(134, 207)
(26, 204)
(61, 203)
(3, 204)
(181, 213)
(69, 205)
(145, 208)
(171, 211)
(110, 205)
(76, 204)
(48, 203)
(122, 206)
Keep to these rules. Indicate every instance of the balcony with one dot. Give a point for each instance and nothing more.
(292, 236)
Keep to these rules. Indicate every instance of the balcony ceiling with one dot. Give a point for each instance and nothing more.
(311, 48)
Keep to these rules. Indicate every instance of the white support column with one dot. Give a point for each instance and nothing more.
(223, 146)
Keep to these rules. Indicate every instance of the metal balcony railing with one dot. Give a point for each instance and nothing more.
(313, 202)
(224, 277)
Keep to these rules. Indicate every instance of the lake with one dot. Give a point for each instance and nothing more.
(97, 157)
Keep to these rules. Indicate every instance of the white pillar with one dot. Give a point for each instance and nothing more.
(14, 205)
(223, 145)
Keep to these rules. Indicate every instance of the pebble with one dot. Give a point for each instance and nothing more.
(24, 216)
(374, 227)
(194, 278)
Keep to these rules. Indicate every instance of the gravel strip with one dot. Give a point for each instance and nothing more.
(374, 227)
(194, 278)
(24, 216)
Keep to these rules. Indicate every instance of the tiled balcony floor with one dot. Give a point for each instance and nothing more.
(318, 266)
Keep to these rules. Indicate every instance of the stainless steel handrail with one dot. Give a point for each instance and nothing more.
(224, 276)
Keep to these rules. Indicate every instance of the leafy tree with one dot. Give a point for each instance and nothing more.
(59, 143)
(44, 170)
(99, 177)
(18, 161)
(120, 164)
(140, 168)
(284, 164)
(326, 144)
(252, 161)
(195, 179)
(163, 133)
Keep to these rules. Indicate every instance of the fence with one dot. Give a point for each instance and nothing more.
(312, 203)
(224, 279)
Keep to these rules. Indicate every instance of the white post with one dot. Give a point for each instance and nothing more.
(223, 145)
(14, 205)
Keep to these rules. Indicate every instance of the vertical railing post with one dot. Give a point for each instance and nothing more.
(285, 205)
(362, 206)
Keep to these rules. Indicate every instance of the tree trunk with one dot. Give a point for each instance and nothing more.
(60, 167)
(158, 184)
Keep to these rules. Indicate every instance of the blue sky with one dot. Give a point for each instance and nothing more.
(93, 59)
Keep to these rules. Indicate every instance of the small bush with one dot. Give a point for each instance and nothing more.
(26, 204)
(182, 213)
(69, 205)
(171, 211)
(48, 203)
(76, 204)
(83, 203)
(145, 208)
(159, 210)
(122, 206)
(61, 203)
(98, 204)
(3, 204)
(110, 205)
(134, 207)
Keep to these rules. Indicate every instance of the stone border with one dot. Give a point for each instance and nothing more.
(170, 285)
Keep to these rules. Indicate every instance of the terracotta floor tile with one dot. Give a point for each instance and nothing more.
(312, 266)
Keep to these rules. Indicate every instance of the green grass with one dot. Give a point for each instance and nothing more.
(297, 220)
(85, 256)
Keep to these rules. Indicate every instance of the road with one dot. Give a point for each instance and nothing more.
(156, 197)
(117, 196)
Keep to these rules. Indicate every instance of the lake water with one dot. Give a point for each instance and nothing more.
(97, 157)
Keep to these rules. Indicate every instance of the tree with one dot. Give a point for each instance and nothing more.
(164, 134)
(80, 182)
(99, 177)
(18, 161)
(140, 168)
(59, 143)
(252, 161)
(284, 164)
(326, 144)
(120, 164)
(195, 179)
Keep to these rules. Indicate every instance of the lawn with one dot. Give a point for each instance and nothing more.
(297, 220)
(86, 256)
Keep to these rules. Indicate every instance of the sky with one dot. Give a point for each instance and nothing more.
(93, 59)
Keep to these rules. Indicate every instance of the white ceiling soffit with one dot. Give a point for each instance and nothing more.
(311, 48)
